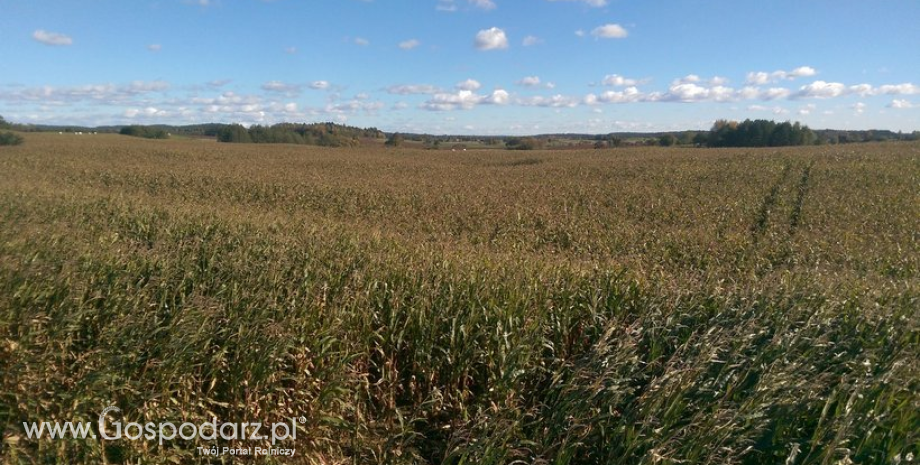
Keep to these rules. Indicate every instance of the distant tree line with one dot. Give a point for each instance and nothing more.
(147, 132)
(323, 134)
(758, 133)
(8, 138)
(524, 143)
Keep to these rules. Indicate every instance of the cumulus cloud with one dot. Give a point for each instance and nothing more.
(627, 95)
(807, 109)
(593, 3)
(491, 39)
(610, 31)
(529, 81)
(446, 5)
(900, 104)
(319, 85)
(858, 108)
(777, 110)
(761, 77)
(281, 87)
(616, 80)
(450, 6)
(555, 101)
(409, 44)
(862, 90)
(469, 84)
(530, 41)
(412, 89)
(483, 4)
(464, 100)
(774, 93)
(498, 97)
(821, 89)
(148, 113)
(899, 89)
(52, 38)
(690, 91)
(104, 94)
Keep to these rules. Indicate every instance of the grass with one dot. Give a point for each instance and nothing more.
(578, 307)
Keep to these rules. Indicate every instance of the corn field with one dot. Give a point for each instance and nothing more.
(622, 306)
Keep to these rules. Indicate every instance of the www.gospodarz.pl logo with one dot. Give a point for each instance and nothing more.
(208, 431)
(113, 429)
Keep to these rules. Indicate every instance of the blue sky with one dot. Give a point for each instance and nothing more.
(463, 66)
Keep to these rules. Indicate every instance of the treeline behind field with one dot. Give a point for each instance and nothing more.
(147, 132)
(759, 133)
(322, 134)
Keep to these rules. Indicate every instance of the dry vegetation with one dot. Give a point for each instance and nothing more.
(579, 307)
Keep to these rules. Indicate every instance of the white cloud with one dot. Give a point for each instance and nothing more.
(446, 5)
(580, 33)
(319, 85)
(760, 78)
(900, 104)
(593, 3)
(101, 94)
(290, 50)
(281, 87)
(775, 93)
(498, 97)
(858, 108)
(362, 41)
(409, 44)
(352, 107)
(687, 90)
(861, 89)
(627, 95)
(529, 81)
(483, 4)
(143, 87)
(52, 38)
(821, 89)
(610, 31)
(491, 39)
(148, 113)
(899, 89)
(555, 101)
(688, 79)
(807, 109)
(530, 41)
(777, 110)
(802, 71)
(618, 81)
(154, 47)
(411, 89)
(469, 84)
(464, 99)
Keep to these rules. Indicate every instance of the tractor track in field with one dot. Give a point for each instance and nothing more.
(762, 219)
(801, 191)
